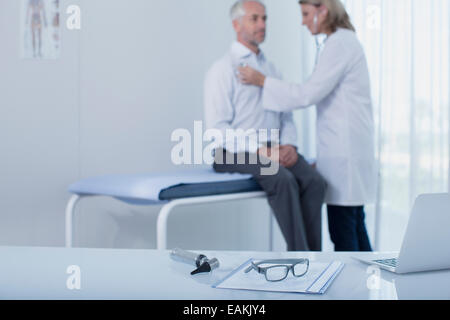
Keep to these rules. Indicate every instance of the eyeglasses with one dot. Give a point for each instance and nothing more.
(278, 270)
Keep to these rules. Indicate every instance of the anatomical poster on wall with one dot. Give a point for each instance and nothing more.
(41, 33)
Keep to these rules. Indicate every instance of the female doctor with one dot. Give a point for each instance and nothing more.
(340, 89)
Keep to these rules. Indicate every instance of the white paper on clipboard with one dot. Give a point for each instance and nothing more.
(319, 277)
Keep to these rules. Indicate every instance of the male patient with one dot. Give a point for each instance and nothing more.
(296, 191)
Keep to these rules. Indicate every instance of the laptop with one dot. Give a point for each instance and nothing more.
(425, 246)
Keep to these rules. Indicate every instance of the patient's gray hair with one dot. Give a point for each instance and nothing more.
(237, 10)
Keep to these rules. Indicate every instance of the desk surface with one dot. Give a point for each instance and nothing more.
(41, 273)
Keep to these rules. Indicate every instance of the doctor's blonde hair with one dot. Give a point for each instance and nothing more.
(337, 15)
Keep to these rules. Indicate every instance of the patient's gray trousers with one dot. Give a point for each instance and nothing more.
(295, 195)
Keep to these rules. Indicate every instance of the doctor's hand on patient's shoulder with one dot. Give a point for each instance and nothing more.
(288, 156)
(248, 75)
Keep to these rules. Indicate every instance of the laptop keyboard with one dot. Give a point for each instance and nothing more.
(388, 262)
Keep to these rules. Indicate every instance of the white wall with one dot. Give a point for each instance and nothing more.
(38, 136)
(124, 82)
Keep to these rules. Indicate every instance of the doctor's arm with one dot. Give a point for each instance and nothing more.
(329, 72)
(283, 96)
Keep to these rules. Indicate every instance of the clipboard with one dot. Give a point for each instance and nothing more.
(316, 281)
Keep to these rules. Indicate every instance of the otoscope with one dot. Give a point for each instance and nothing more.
(202, 262)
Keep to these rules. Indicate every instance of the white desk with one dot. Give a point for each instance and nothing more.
(40, 273)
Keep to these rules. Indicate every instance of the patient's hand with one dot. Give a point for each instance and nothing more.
(272, 153)
(288, 156)
(248, 75)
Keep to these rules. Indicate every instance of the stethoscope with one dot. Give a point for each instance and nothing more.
(319, 44)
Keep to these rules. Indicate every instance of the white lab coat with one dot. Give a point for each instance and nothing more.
(340, 88)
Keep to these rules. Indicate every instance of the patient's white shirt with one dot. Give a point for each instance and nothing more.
(229, 104)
